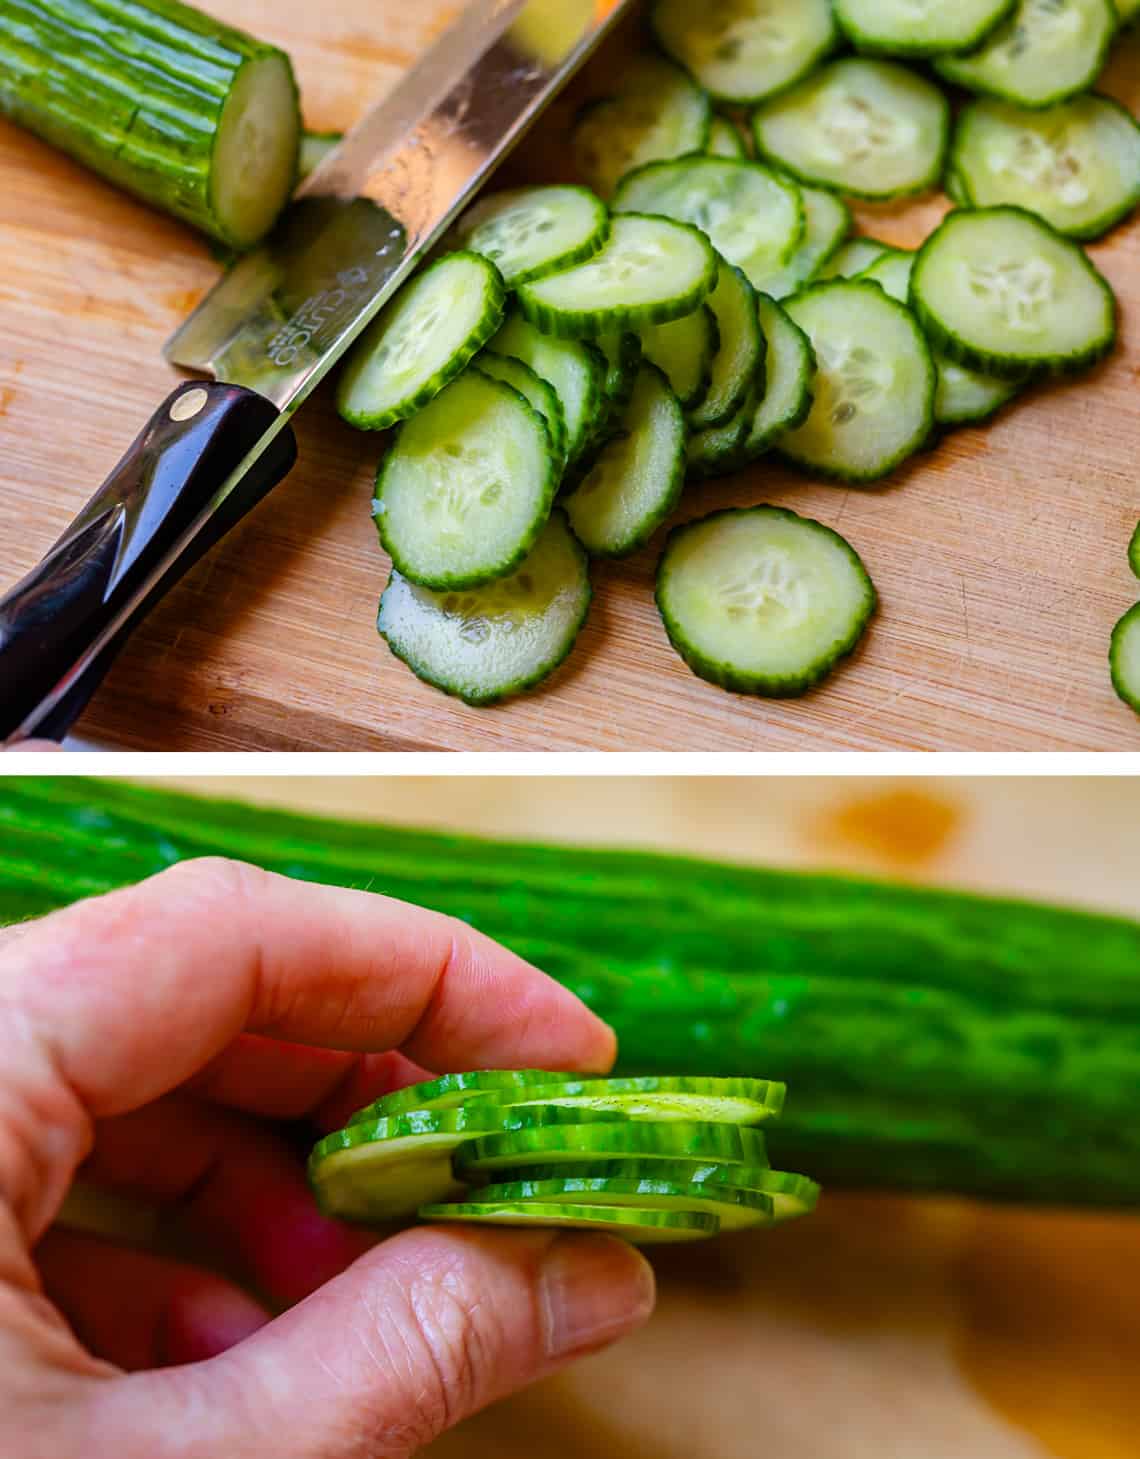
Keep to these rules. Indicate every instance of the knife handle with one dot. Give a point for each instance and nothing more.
(193, 443)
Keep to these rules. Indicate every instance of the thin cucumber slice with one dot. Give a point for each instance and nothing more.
(1077, 165)
(762, 601)
(874, 386)
(743, 50)
(853, 258)
(872, 129)
(718, 450)
(684, 351)
(636, 480)
(1134, 551)
(529, 232)
(740, 357)
(1001, 291)
(1047, 51)
(791, 368)
(725, 140)
(621, 1139)
(539, 393)
(658, 113)
(467, 487)
(315, 147)
(1124, 658)
(422, 340)
(753, 217)
(955, 188)
(623, 360)
(576, 372)
(734, 1101)
(736, 1210)
(490, 643)
(650, 270)
(892, 271)
(920, 27)
(644, 1227)
(791, 1195)
(450, 1091)
(827, 222)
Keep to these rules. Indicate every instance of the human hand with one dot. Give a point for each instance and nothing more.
(151, 1037)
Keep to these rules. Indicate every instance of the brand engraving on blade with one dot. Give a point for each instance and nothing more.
(317, 311)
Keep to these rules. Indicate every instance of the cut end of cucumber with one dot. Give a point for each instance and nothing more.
(256, 149)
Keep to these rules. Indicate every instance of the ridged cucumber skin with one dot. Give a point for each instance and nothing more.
(134, 90)
(1125, 683)
(1134, 551)
(949, 1022)
(943, 338)
(763, 437)
(870, 45)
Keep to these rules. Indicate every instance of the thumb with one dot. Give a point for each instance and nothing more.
(417, 1334)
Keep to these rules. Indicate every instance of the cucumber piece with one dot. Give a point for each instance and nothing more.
(684, 352)
(725, 140)
(891, 271)
(753, 217)
(315, 147)
(735, 1210)
(920, 27)
(1001, 291)
(827, 222)
(647, 1227)
(1124, 658)
(658, 113)
(1047, 51)
(1127, 10)
(853, 258)
(529, 232)
(1077, 165)
(490, 643)
(874, 385)
(654, 1097)
(791, 368)
(718, 450)
(622, 1139)
(577, 373)
(622, 353)
(762, 601)
(650, 270)
(467, 487)
(636, 480)
(955, 188)
(195, 117)
(872, 129)
(450, 1091)
(1134, 551)
(421, 341)
(743, 50)
(537, 392)
(739, 360)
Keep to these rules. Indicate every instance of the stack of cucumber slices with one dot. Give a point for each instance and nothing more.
(649, 1159)
(583, 353)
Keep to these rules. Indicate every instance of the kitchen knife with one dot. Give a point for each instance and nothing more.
(266, 335)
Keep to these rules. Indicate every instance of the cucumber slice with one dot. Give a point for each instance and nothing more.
(827, 222)
(868, 128)
(740, 356)
(1047, 51)
(450, 1091)
(920, 27)
(891, 271)
(1127, 10)
(736, 1101)
(725, 140)
(955, 188)
(637, 479)
(718, 450)
(1124, 658)
(787, 399)
(762, 601)
(1001, 291)
(752, 217)
(577, 373)
(874, 386)
(315, 147)
(536, 391)
(622, 354)
(489, 643)
(743, 50)
(684, 352)
(644, 1227)
(650, 270)
(1077, 165)
(467, 487)
(853, 258)
(1134, 551)
(735, 1210)
(791, 1195)
(622, 1139)
(529, 232)
(658, 113)
(422, 340)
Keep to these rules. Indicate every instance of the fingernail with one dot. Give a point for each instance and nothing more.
(594, 1289)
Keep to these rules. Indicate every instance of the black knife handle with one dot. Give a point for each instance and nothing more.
(192, 444)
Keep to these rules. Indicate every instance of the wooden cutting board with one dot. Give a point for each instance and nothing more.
(1000, 557)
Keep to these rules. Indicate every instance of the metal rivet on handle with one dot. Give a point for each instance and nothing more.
(187, 406)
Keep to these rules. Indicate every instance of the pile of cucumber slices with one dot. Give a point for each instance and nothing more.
(649, 1159)
(583, 352)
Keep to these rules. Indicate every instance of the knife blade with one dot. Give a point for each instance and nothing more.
(269, 332)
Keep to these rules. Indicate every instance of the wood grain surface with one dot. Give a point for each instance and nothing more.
(1000, 557)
